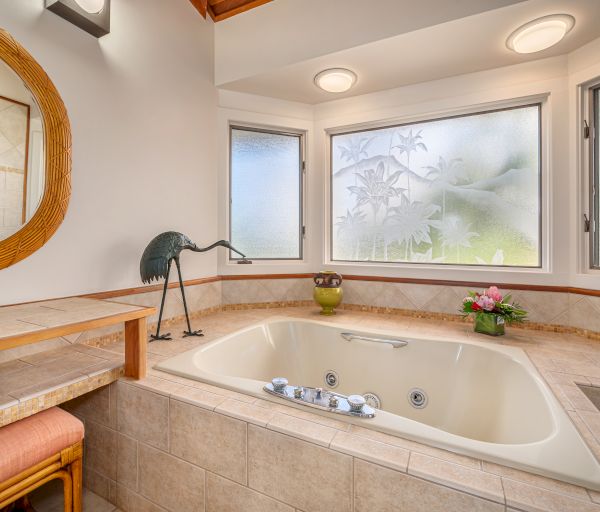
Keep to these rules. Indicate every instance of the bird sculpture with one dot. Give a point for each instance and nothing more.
(156, 263)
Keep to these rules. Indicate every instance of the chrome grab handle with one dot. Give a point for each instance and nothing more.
(349, 336)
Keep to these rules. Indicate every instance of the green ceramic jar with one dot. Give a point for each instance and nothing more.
(490, 324)
(328, 292)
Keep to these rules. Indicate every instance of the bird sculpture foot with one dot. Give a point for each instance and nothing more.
(192, 333)
(154, 337)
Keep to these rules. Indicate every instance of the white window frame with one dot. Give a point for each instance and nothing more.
(545, 186)
(588, 209)
(278, 130)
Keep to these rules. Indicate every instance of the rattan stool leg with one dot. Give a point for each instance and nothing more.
(68, 491)
(76, 476)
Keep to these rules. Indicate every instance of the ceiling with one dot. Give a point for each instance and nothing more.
(458, 46)
(220, 10)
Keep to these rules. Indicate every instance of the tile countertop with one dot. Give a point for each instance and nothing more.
(39, 381)
(564, 360)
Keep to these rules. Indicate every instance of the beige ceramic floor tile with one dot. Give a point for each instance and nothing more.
(49, 498)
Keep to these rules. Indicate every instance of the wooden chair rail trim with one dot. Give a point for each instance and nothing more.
(146, 289)
(123, 292)
(46, 333)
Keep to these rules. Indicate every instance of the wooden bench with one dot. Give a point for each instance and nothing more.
(30, 323)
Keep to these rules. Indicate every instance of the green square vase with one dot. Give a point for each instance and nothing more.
(492, 325)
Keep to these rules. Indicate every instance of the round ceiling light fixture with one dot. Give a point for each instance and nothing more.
(91, 6)
(539, 34)
(336, 80)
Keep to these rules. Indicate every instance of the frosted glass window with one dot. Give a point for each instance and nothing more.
(266, 194)
(462, 190)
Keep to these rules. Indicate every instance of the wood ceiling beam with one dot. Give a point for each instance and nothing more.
(220, 10)
(238, 10)
(201, 6)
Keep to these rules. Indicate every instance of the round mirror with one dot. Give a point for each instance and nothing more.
(21, 153)
(35, 154)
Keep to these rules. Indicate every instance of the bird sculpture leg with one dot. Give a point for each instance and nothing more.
(158, 335)
(189, 332)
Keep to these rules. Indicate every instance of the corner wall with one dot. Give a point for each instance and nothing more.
(142, 107)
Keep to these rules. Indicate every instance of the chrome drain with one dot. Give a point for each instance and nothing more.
(372, 400)
(331, 379)
(417, 398)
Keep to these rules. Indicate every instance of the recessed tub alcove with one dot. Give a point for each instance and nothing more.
(484, 399)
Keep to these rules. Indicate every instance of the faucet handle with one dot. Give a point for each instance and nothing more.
(279, 384)
(356, 403)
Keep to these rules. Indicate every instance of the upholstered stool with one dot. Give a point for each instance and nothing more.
(38, 449)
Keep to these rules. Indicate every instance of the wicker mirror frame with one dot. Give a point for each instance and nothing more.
(57, 155)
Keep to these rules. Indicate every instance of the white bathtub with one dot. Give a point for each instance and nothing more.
(484, 400)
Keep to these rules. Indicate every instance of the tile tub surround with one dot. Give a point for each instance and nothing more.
(253, 454)
(548, 310)
(577, 312)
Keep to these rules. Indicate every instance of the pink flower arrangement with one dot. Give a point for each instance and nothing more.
(493, 293)
(492, 302)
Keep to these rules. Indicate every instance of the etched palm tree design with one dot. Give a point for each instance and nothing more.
(455, 234)
(355, 149)
(376, 191)
(445, 173)
(409, 144)
(411, 223)
(352, 226)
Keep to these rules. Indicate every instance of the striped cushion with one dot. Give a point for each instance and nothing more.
(29, 441)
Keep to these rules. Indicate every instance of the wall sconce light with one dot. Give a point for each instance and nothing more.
(93, 16)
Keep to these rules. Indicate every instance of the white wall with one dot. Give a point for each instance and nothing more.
(143, 114)
(549, 77)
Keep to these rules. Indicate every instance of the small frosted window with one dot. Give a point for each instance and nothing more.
(462, 190)
(266, 178)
